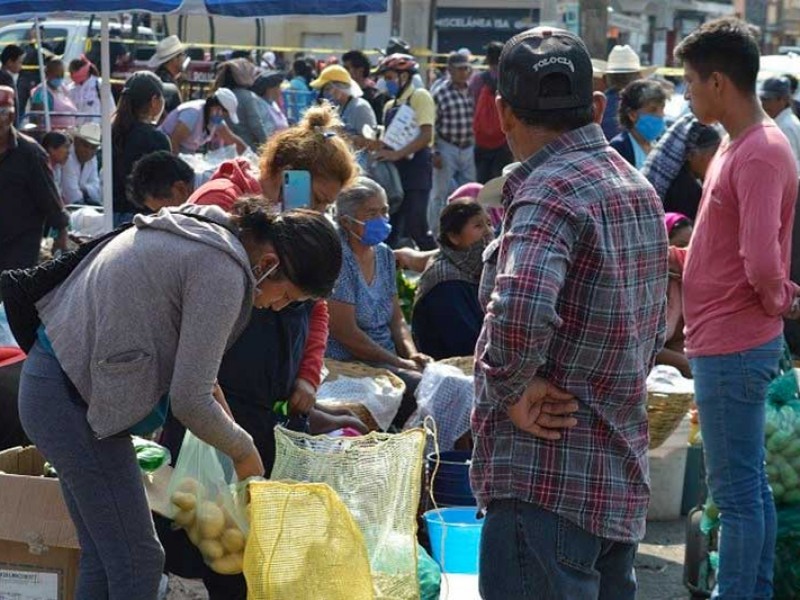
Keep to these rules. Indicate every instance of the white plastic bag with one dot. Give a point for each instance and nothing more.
(377, 395)
(446, 394)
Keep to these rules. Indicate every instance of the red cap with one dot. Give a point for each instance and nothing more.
(7, 96)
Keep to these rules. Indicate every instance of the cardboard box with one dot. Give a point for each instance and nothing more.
(39, 548)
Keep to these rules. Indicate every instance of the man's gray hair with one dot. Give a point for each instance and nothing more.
(352, 198)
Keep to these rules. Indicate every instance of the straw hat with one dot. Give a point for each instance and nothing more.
(90, 133)
(170, 47)
(492, 193)
(623, 59)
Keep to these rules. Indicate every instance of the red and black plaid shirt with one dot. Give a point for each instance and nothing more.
(575, 292)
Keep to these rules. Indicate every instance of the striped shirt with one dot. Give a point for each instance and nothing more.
(454, 111)
(575, 292)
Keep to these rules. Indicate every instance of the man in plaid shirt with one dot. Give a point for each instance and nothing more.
(575, 298)
(454, 155)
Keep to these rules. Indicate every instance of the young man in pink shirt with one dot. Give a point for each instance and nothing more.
(736, 291)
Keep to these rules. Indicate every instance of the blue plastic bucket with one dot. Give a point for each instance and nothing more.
(451, 486)
(455, 536)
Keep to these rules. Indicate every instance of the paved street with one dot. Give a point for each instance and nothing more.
(659, 567)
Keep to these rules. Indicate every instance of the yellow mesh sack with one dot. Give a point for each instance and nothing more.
(379, 479)
(303, 545)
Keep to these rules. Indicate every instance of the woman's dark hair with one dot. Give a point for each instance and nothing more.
(154, 175)
(301, 68)
(138, 93)
(225, 78)
(455, 216)
(702, 138)
(52, 64)
(211, 102)
(55, 139)
(636, 96)
(726, 46)
(307, 245)
(678, 225)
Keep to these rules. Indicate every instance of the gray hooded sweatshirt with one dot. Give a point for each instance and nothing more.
(152, 311)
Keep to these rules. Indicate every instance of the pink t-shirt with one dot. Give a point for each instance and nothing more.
(736, 279)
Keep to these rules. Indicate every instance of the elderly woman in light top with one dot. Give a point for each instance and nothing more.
(366, 322)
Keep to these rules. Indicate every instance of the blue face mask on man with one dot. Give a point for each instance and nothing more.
(375, 230)
(650, 126)
(56, 83)
(392, 87)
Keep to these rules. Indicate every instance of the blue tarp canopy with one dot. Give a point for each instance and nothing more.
(230, 8)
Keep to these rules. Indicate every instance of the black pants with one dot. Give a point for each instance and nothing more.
(411, 221)
(489, 163)
(409, 403)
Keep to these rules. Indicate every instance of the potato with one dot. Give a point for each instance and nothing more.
(194, 534)
(191, 486)
(230, 564)
(211, 549)
(210, 519)
(233, 539)
(184, 518)
(184, 500)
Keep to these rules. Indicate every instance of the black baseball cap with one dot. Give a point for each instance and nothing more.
(531, 56)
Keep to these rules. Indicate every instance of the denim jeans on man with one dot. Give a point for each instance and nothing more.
(458, 168)
(730, 392)
(528, 553)
(121, 558)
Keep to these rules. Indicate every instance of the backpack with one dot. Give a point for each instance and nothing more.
(486, 122)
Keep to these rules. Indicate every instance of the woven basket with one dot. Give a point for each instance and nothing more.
(465, 364)
(357, 370)
(664, 413)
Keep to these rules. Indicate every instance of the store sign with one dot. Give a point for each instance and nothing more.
(492, 20)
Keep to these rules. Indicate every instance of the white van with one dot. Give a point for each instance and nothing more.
(70, 38)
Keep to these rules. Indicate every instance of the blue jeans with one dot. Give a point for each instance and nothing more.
(730, 392)
(121, 558)
(458, 168)
(530, 553)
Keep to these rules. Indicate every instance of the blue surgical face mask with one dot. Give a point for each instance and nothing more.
(392, 88)
(216, 120)
(375, 230)
(56, 83)
(650, 126)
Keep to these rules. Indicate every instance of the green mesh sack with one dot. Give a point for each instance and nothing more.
(787, 555)
(782, 432)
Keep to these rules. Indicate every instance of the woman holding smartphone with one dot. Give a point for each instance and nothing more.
(279, 356)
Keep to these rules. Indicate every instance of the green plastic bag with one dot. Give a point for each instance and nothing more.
(150, 456)
(429, 575)
(787, 555)
(782, 431)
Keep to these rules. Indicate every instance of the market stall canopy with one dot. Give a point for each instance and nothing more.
(229, 8)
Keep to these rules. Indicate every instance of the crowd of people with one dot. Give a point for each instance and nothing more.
(566, 236)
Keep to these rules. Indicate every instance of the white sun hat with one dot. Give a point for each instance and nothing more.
(170, 47)
(623, 59)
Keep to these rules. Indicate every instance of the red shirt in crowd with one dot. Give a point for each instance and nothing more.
(231, 181)
(736, 281)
